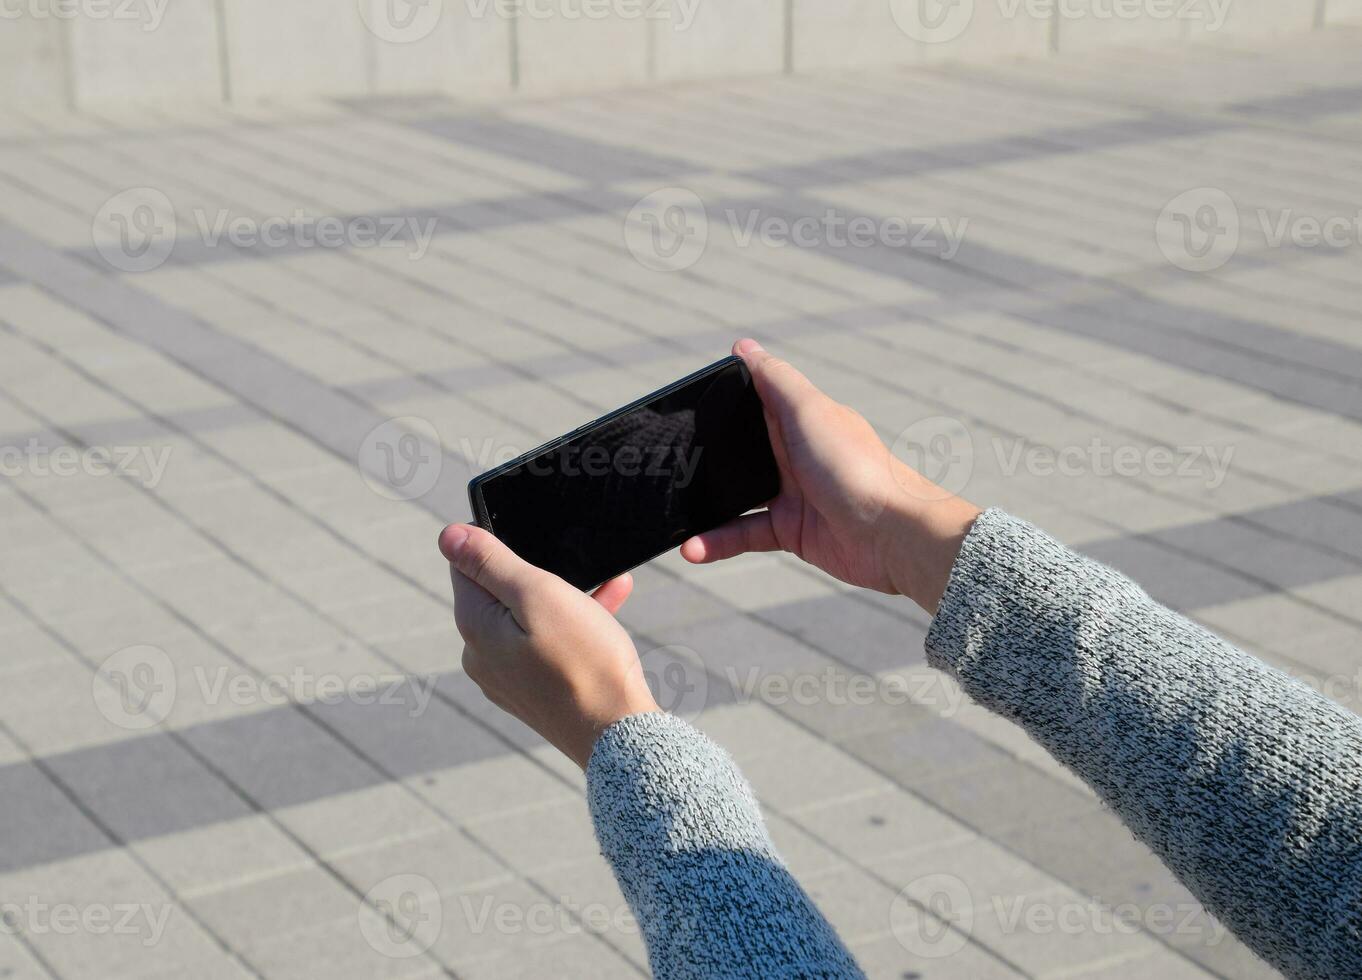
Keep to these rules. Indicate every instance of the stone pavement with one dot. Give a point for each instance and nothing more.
(1117, 295)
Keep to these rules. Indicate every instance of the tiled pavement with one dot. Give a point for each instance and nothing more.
(326, 796)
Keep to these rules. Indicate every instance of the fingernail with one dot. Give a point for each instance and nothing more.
(748, 346)
(453, 540)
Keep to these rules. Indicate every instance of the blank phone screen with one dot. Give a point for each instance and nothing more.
(637, 484)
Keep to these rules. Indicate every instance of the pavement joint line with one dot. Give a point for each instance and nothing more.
(929, 802)
(44, 767)
(359, 753)
(425, 287)
(177, 736)
(281, 159)
(1116, 528)
(1148, 489)
(304, 710)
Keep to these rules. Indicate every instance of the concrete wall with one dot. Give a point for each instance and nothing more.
(92, 52)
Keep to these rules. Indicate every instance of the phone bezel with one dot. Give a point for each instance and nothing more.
(475, 498)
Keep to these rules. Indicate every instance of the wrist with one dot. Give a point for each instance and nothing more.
(925, 527)
(635, 703)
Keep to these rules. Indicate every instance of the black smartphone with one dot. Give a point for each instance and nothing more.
(627, 487)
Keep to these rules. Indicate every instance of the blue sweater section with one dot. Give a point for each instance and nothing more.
(1245, 782)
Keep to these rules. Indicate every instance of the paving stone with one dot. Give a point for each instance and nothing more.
(824, 773)
(335, 949)
(279, 758)
(1004, 799)
(222, 854)
(886, 958)
(851, 630)
(449, 858)
(156, 930)
(147, 786)
(925, 748)
(248, 914)
(539, 837)
(478, 789)
(42, 822)
(873, 827)
(349, 822)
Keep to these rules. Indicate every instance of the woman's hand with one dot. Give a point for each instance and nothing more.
(846, 504)
(541, 649)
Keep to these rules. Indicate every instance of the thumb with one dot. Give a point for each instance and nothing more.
(484, 559)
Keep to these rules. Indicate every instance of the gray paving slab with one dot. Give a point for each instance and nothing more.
(1223, 350)
(280, 758)
(982, 153)
(42, 823)
(1320, 101)
(147, 787)
(286, 393)
(575, 155)
(926, 749)
(860, 634)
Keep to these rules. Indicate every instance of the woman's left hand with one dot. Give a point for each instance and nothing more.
(540, 649)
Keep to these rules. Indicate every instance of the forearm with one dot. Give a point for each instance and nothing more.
(685, 837)
(1246, 783)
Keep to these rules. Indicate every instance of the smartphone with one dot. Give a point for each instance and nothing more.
(635, 483)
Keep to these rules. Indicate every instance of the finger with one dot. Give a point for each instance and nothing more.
(781, 386)
(481, 619)
(488, 562)
(614, 593)
(751, 532)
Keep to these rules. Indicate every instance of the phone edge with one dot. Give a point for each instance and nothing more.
(475, 499)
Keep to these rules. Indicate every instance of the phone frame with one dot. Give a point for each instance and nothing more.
(475, 497)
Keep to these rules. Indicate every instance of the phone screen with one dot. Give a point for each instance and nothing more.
(638, 482)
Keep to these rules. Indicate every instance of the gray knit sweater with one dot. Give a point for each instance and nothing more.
(1245, 782)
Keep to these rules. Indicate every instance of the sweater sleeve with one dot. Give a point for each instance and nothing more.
(1245, 782)
(685, 837)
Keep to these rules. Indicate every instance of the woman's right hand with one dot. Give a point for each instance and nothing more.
(846, 504)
